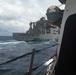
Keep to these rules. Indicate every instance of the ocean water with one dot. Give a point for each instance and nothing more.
(15, 57)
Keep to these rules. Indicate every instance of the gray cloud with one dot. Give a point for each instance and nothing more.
(9, 18)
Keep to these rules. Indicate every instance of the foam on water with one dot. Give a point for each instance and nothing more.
(9, 42)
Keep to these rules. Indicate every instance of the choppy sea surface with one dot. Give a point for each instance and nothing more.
(15, 57)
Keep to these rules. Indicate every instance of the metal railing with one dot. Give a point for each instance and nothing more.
(37, 70)
(41, 67)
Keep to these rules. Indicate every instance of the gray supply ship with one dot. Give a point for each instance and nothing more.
(43, 29)
(37, 34)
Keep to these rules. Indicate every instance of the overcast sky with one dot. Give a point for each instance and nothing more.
(15, 15)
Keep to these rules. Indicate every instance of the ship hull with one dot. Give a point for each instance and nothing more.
(54, 34)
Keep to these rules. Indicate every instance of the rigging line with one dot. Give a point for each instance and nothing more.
(46, 47)
(14, 59)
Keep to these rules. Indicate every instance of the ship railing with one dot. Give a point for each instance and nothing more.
(37, 70)
(48, 65)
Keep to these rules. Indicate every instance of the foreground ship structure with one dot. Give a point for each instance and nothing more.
(65, 62)
(43, 29)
